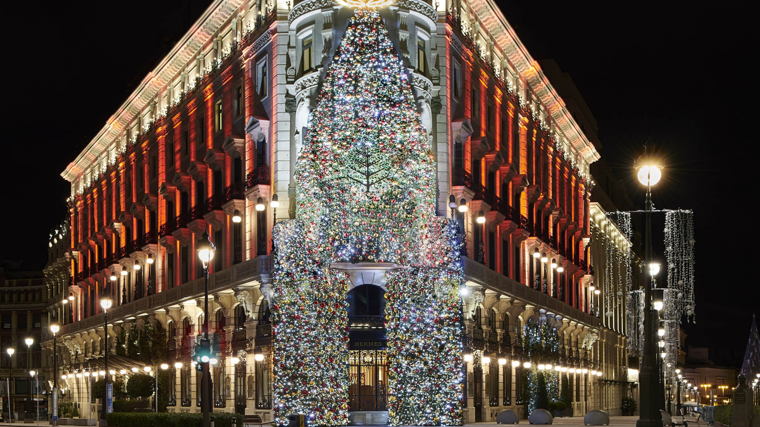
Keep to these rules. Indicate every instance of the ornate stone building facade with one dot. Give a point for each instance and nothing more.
(208, 142)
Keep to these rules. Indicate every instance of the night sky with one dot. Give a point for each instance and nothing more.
(680, 74)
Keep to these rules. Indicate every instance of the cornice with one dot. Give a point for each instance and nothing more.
(496, 25)
(171, 65)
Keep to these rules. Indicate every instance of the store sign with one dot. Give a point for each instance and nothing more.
(367, 345)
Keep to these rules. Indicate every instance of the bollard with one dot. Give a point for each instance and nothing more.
(211, 421)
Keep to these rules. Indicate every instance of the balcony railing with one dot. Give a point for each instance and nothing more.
(151, 237)
(181, 220)
(260, 175)
(461, 177)
(214, 203)
(236, 191)
(197, 212)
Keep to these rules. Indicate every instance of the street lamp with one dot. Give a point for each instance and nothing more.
(29, 407)
(34, 374)
(106, 303)
(650, 415)
(206, 251)
(54, 328)
(11, 350)
(236, 218)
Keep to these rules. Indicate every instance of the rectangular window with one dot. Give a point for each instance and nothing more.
(507, 379)
(183, 142)
(261, 77)
(306, 48)
(491, 119)
(238, 101)
(218, 116)
(421, 62)
(475, 107)
(456, 79)
(170, 154)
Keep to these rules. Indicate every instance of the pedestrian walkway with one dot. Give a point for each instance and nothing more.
(570, 421)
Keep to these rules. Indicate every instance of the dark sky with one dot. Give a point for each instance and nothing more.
(677, 72)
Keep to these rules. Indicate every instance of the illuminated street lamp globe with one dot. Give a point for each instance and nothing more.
(649, 175)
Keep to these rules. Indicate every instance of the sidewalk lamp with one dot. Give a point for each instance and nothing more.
(657, 299)
(648, 175)
(654, 268)
(11, 350)
(29, 409)
(206, 251)
(106, 303)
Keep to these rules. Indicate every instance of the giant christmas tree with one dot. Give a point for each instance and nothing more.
(366, 195)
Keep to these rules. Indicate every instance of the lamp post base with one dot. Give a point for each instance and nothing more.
(648, 423)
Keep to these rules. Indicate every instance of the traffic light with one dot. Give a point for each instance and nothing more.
(202, 352)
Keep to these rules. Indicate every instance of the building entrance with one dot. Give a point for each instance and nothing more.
(368, 379)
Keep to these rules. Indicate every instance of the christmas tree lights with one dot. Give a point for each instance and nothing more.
(366, 194)
(311, 334)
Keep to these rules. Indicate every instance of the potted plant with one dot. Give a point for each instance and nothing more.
(557, 408)
(629, 406)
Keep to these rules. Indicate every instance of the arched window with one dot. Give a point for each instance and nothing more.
(172, 331)
(240, 317)
(478, 317)
(221, 321)
(366, 300)
(505, 323)
(264, 312)
(492, 320)
(187, 327)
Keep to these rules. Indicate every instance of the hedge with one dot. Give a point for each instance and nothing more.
(723, 413)
(166, 419)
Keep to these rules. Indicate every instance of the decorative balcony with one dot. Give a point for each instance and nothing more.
(259, 176)
(197, 222)
(460, 177)
(236, 191)
(150, 238)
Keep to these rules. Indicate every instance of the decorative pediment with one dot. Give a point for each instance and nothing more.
(520, 182)
(137, 210)
(461, 130)
(508, 171)
(214, 158)
(181, 181)
(498, 160)
(167, 191)
(150, 201)
(480, 146)
(197, 170)
(257, 128)
(234, 146)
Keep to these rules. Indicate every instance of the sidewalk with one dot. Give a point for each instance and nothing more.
(570, 421)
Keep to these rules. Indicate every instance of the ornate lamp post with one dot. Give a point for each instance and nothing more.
(206, 251)
(106, 303)
(650, 416)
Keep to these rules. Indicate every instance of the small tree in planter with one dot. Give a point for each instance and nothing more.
(629, 406)
(140, 386)
(557, 408)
